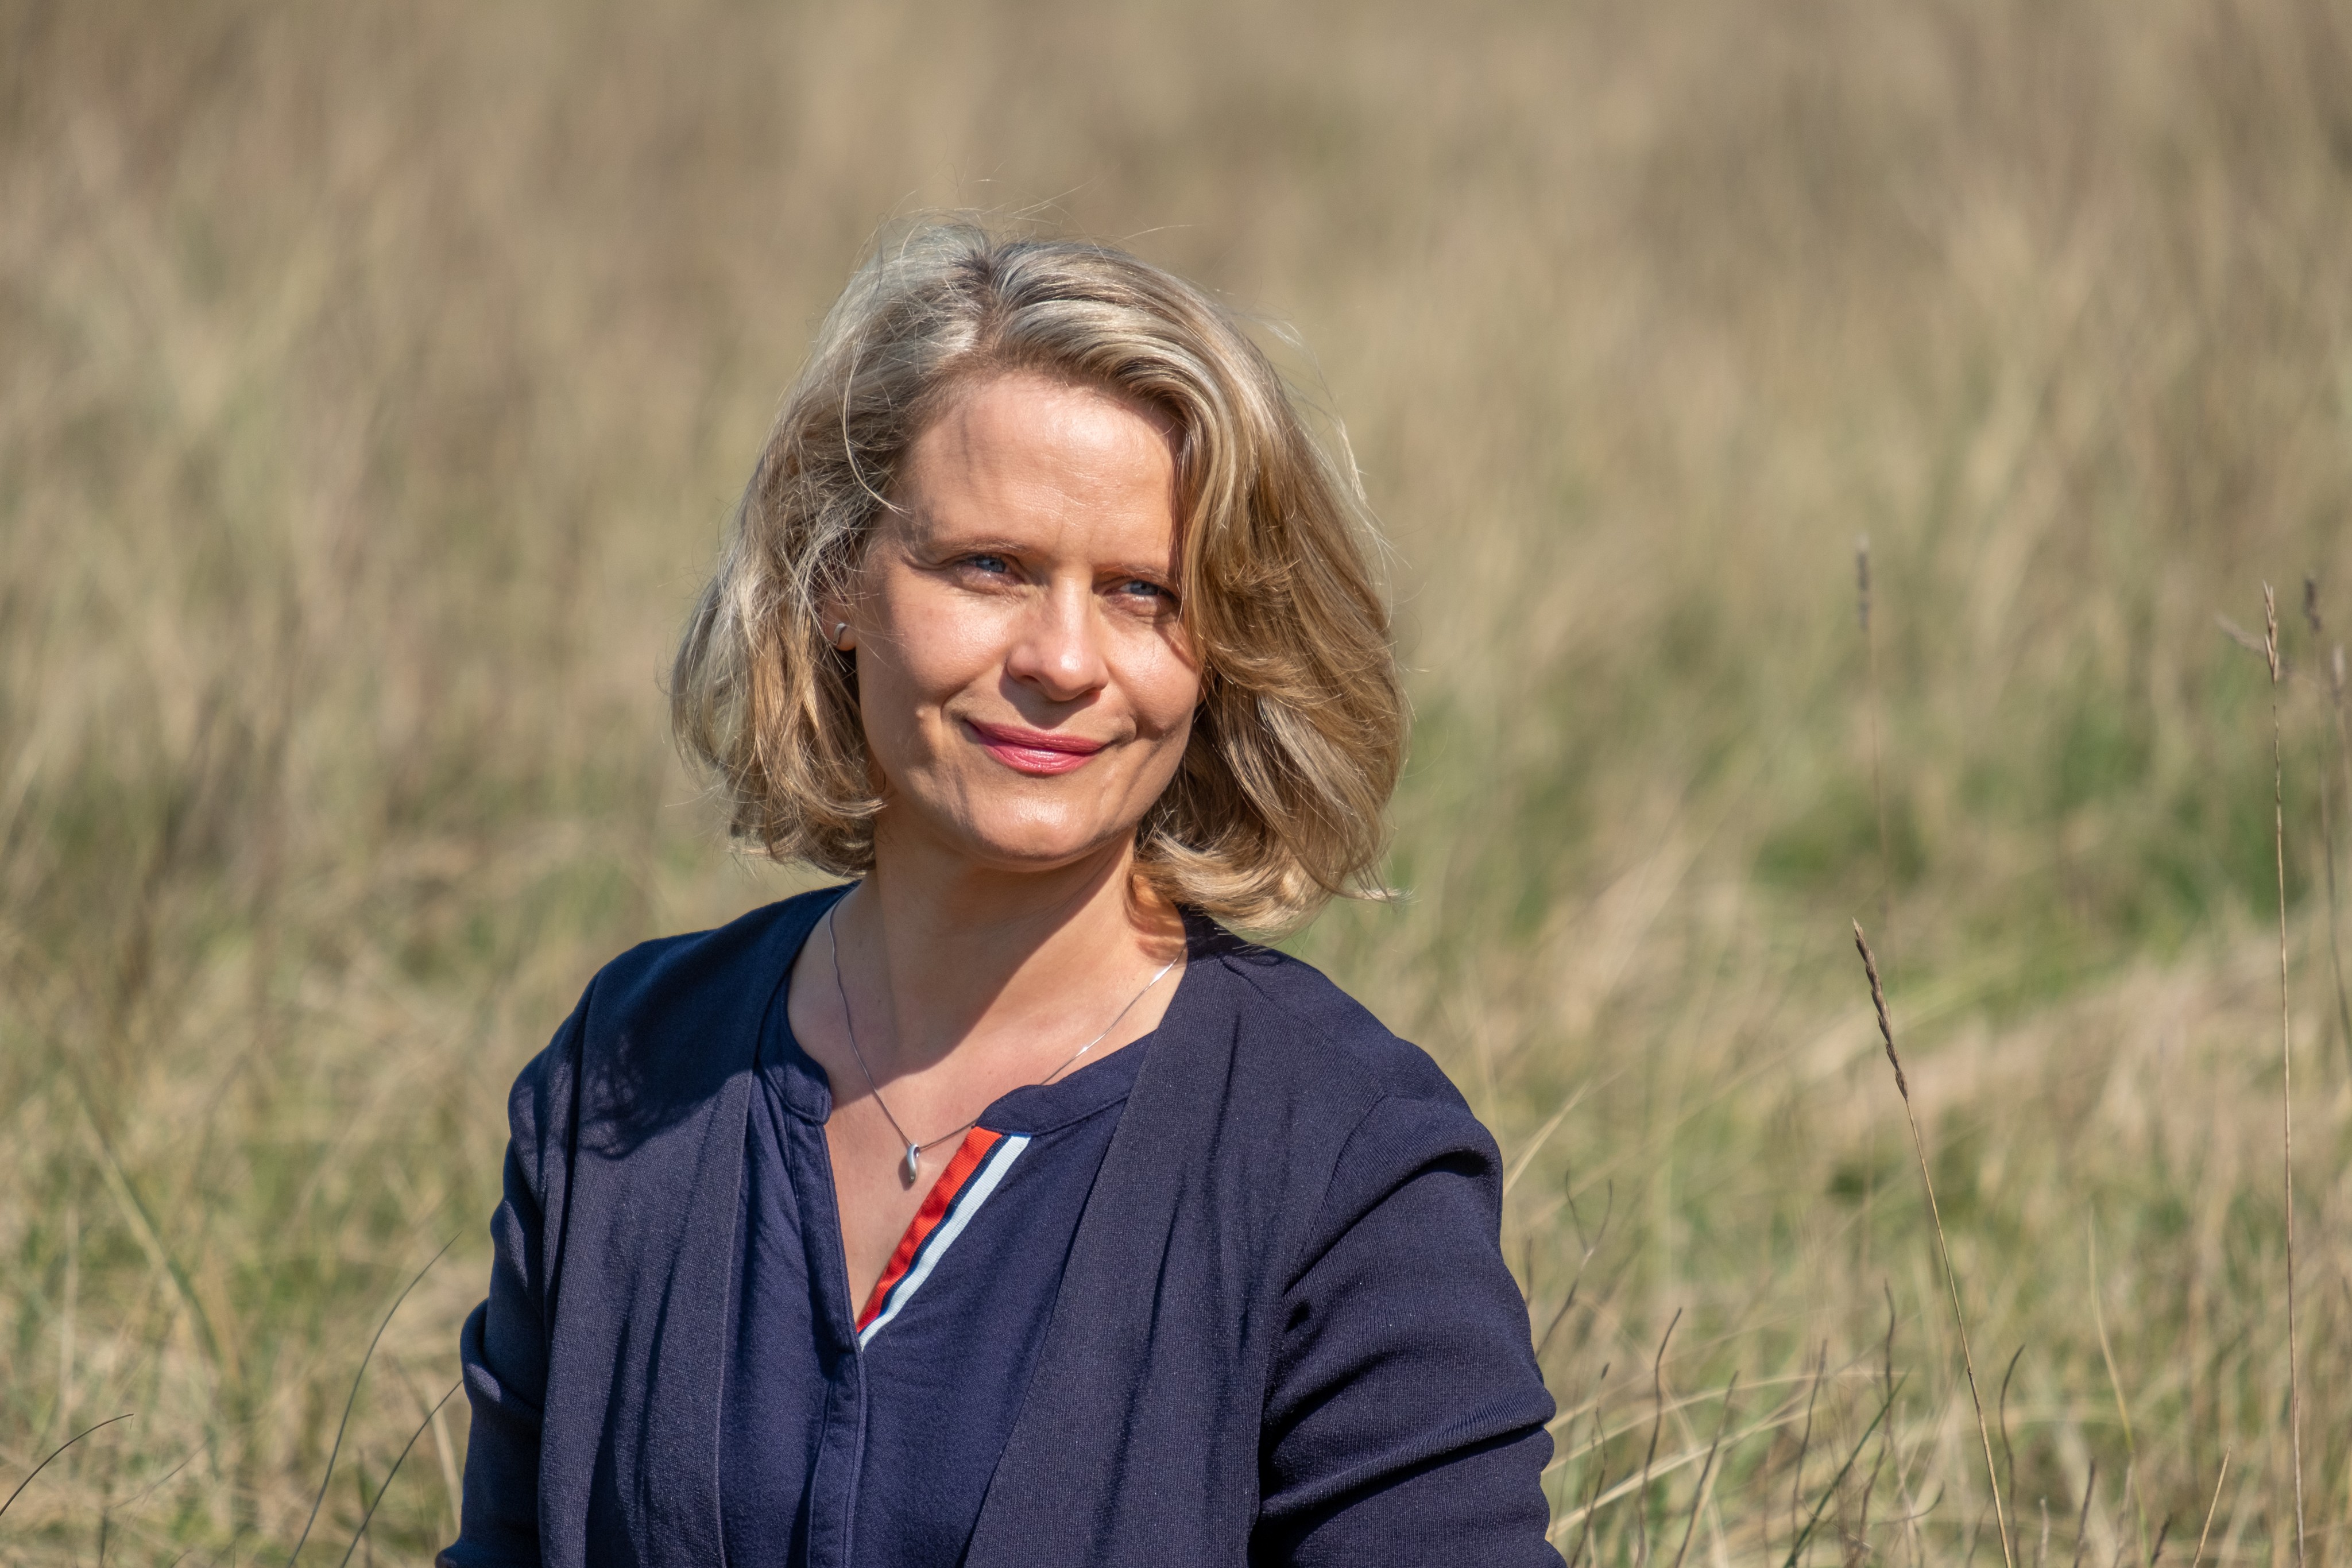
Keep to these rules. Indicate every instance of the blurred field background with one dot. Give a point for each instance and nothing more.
(374, 382)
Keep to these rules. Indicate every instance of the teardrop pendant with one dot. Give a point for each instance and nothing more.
(913, 1167)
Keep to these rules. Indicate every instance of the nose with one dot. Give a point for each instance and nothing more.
(1057, 647)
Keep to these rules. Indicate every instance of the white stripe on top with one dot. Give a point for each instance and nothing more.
(984, 1181)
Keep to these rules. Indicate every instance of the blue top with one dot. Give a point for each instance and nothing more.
(875, 1427)
(1283, 1334)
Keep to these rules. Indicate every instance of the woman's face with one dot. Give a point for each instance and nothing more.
(1023, 673)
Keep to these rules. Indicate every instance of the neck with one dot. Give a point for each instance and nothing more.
(947, 955)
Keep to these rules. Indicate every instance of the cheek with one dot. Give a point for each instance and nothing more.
(1164, 706)
(949, 640)
(926, 649)
(892, 696)
(1165, 690)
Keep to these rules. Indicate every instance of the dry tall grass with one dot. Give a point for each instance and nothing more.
(374, 380)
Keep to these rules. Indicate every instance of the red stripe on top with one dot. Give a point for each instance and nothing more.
(936, 1203)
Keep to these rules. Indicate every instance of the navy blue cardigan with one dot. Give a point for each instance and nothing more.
(1272, 1117)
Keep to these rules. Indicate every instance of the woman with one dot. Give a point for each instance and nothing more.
(1000, 1208)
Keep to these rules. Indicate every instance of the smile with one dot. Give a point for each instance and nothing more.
(1034, 751)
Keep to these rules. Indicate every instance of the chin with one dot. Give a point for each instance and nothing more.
(1023, 827)
(1042, 852)
(1030, 841)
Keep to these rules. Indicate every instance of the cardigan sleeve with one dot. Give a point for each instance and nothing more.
(1405, 1415)
(503, 1346)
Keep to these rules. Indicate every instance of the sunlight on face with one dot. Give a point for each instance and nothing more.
(1025, 681)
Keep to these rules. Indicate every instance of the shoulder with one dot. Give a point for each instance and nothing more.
(705, 968)
(1295, 1027)
(662, 1021)
(1325, 1115)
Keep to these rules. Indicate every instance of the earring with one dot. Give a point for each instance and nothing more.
(839, 627)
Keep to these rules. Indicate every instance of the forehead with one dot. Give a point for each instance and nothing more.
(1022, 449)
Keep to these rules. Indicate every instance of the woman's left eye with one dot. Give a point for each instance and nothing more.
(1140, 588)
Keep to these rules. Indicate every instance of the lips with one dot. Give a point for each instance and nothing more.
(1036, 752)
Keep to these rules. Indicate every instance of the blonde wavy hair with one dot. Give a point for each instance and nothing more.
(1277, 805)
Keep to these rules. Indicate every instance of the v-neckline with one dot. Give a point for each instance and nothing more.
(1030, 1111)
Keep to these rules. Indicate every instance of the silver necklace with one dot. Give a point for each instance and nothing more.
(911, 1165)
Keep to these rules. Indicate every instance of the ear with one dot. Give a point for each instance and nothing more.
(832, 615)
